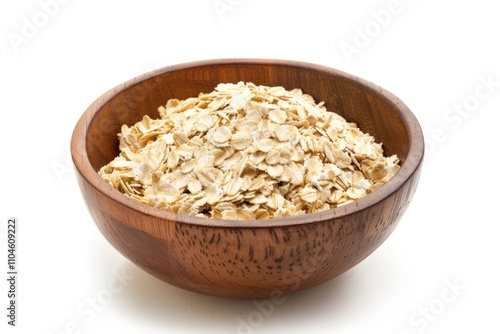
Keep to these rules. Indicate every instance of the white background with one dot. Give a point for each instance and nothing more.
(437, 273)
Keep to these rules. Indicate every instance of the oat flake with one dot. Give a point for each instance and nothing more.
(247, 152)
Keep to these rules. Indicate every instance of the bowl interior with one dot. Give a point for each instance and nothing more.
(372, 108)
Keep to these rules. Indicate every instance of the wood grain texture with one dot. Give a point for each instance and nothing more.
(247, 258)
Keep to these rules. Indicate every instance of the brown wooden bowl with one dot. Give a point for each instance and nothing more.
(247, 258)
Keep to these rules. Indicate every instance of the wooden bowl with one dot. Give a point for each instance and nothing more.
(255, 258)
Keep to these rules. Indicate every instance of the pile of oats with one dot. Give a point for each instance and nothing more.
(247, 152)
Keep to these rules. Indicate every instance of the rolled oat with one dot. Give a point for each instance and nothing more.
(247, 152)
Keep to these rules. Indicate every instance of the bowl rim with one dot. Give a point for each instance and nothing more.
(408, 167)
